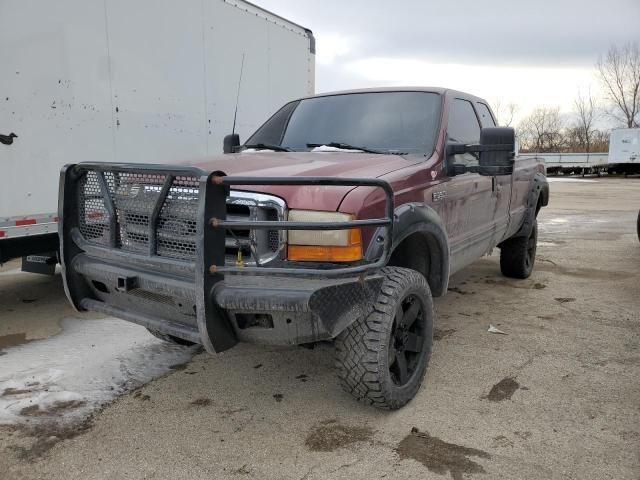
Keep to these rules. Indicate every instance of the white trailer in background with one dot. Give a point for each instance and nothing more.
(570, 163)
(150, 81)
(624, 148)
(623, 157)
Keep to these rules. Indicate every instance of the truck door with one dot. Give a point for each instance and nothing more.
(501, 185)
(469, 199)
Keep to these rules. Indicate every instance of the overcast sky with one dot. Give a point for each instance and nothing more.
(530, 52)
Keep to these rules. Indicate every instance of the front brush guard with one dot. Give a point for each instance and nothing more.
(207, 275)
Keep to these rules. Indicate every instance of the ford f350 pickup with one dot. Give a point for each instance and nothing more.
(338, 219)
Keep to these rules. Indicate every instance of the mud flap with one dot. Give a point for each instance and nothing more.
(44, 264)
(340, 305)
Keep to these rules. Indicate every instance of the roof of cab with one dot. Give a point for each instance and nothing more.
(437, 90)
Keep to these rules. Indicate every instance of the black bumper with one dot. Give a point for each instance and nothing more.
(276, 311)
(205, 300)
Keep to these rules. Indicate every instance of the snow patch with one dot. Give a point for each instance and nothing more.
(257, 150)
(547, 244)
(570, 180)
(327, 148)
(556, 221)
(70, 375)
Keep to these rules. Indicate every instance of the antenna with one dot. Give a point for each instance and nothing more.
(235, 114)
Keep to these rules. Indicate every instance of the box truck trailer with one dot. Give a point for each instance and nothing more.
(624, 151)
(151, 81)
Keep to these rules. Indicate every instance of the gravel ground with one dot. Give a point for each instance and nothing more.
(557, 397)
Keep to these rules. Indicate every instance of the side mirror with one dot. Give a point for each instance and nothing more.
(497, 151)
(231, 143)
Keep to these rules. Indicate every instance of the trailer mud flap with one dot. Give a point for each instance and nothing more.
(44, 264)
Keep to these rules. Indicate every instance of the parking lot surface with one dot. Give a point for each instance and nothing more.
(557, 396)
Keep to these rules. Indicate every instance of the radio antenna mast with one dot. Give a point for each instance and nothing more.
(235, 114)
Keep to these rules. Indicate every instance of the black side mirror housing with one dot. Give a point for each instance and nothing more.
(231, 143)
(497, 151)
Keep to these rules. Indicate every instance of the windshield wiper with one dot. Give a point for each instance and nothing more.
(266, 146)
(346, 146)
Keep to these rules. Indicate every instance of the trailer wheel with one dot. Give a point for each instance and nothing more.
(382, 357)
(170, 338)
(518, 255)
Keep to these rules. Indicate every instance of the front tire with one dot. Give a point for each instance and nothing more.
(382, 357)
(518, 255)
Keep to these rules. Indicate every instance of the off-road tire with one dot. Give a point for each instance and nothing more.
(518, 255)
(170, 338)
(364, 350)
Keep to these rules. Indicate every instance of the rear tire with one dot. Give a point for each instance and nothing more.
(382, 357)
(518, 255)
(170, 338)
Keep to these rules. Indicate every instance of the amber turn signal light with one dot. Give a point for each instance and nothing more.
(317, 253)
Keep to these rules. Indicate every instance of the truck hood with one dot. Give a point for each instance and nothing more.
(303, 164)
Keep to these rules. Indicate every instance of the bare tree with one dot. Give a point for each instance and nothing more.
(600, 141)
(505, 113)
(574, 139)
(620, 75)
(586, 113)
(541, 131)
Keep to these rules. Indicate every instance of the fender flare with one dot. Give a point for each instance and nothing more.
(412, 218)
(539, 190)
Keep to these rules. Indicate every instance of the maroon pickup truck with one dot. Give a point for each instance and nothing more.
(338, 220)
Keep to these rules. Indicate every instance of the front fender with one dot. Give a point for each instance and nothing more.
(412, 218)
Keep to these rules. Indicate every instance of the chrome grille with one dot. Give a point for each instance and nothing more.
(267, 245)
(135, 197)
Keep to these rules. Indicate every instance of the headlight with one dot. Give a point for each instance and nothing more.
(323, 245)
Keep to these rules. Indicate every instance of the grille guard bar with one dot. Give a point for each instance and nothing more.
(215, 224)
(214, 329)
(214, 186)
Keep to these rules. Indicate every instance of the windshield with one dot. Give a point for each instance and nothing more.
(384, 122)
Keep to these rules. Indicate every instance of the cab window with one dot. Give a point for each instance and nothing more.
(464, 128)
(485, 115)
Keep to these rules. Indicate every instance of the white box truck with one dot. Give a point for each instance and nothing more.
(624, 151)
(624, 145)
(152, 81)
